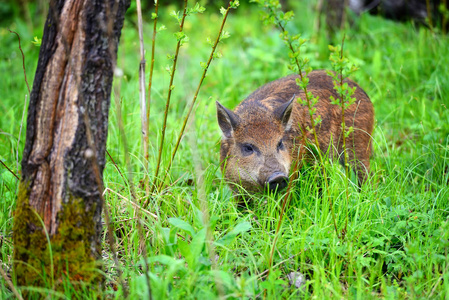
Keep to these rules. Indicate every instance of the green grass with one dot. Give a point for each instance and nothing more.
(397, 237)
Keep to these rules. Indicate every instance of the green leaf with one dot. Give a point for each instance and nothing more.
(230, 236)
(226, 278)
(184, 248)
(209, 41)
(197, 243)
(37, 42)
(224, 35)
(235, 4)
(183, 225)
(163, 259)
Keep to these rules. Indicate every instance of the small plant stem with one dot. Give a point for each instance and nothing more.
(342, 101)
(153, 47)
(29, 92)
(116, 167)
(309, 106)
(143, 103)
(343, 130)
(184, 124)
(167, 104)
(150, 82)
(9, 170)
(144, 112)
(23, 61)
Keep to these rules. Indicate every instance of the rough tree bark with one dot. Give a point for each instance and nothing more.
(57, 225)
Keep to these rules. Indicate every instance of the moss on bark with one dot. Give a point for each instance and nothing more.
(68, 255)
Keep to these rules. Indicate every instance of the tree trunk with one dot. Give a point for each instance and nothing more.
(57, 224)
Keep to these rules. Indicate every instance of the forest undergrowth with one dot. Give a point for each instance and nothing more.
(391, 238)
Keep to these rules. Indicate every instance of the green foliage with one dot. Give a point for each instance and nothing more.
(36, 41)
(203, 243)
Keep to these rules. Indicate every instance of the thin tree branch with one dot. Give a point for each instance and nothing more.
(23, 60)
(214, 47)
(167, 104)
(9, 170)
(143, 103)
(116, 167)
(150, 82)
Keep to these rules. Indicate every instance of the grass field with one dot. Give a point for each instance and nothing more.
(397, 234)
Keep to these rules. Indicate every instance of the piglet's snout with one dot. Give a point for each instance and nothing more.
(276, 182)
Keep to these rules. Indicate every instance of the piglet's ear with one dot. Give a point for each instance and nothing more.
(284, 112)
(227, 120)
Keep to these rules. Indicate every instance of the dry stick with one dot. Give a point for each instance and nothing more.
(131, 202)
(167, 104)
(23, 60)
(312, 121)
(150, 82)
(145, 126)
(143, 109)
(29, 92)
(9, 170)
(11, 285)
(116, 167)
(184, 124)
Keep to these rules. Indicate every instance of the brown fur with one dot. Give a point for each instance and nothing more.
(265, 118)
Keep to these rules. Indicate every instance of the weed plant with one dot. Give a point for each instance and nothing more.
(397, 240)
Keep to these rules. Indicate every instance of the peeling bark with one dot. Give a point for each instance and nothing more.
(73, 78)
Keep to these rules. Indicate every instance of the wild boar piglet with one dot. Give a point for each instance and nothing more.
(268, 131)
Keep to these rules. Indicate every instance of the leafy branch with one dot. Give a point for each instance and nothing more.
(205, 65)
(274, 15)
(181, 38)
(342, 68)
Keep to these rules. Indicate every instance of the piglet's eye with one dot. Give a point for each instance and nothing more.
(247, 149)
(280, 146)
